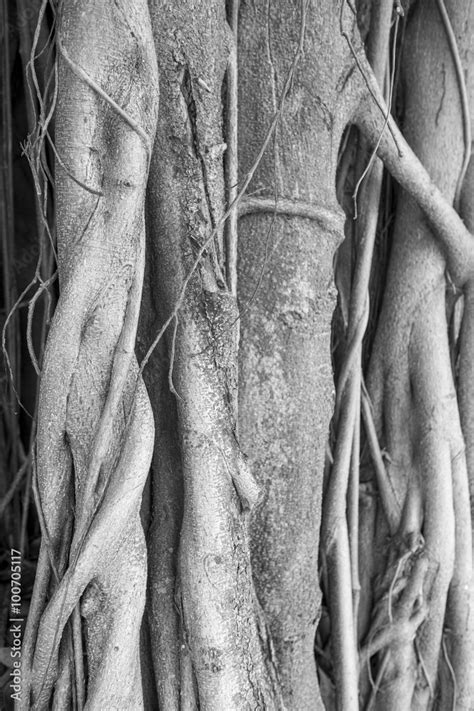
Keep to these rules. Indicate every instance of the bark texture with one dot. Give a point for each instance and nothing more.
(238, 455)
(413, 392)
(287, 241)
(95, 429)
(221, 635)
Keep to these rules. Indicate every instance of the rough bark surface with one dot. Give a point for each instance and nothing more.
(221, 637)
(414, 397)
(255, 100)
(95, 428)
(286, 299)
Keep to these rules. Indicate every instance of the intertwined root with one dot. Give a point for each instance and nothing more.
(95, 432)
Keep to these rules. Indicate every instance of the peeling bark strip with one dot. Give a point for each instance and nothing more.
(221, 636)
(95, 429)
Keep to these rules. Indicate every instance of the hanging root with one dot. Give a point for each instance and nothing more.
(410, 379)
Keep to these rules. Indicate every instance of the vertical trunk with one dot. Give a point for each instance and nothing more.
(233, 597)
(95, 426)
(288, 232)
(221, 662)
(412, 387)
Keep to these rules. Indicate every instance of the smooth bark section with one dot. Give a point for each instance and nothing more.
(410, 172)
(222, 638)
(95, 429)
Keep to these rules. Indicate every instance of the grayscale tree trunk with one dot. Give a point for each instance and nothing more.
(238, 302)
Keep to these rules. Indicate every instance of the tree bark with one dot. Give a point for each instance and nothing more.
(287, 241)
(413, 392)
(233, 506)
(95, 428)
(222, 636)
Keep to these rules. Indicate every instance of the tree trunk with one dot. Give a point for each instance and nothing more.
(203, 413)
(221, 661)
(290, 227)
(413, 392)
(95, 428)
